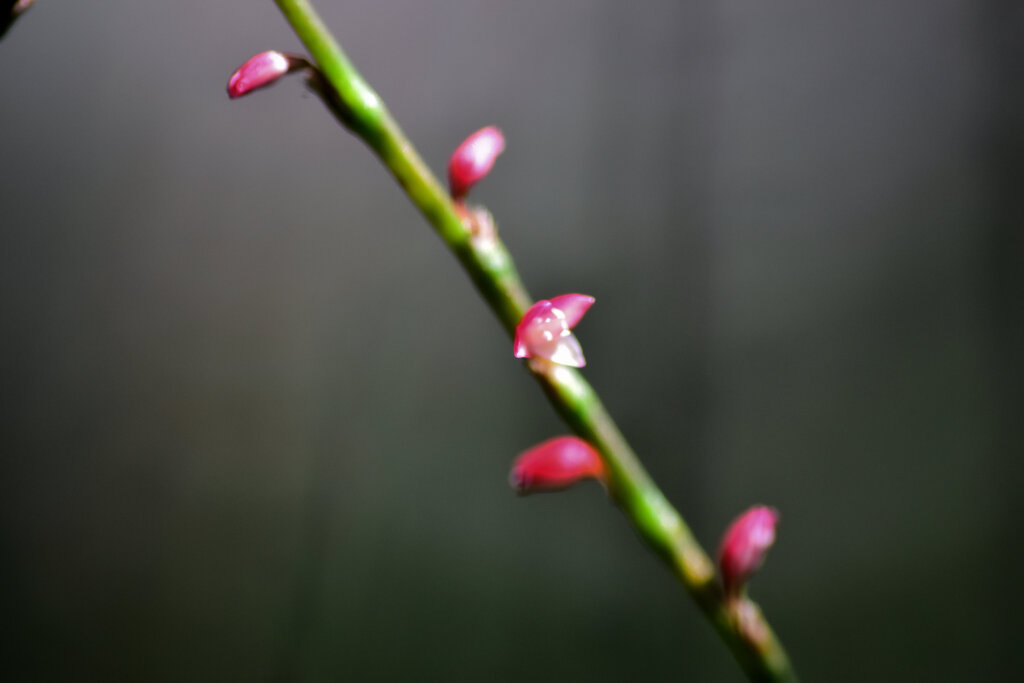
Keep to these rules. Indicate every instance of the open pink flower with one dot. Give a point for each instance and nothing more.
(556, 464)
(472, 160)
(744, 546)
(546, 330)
(263, 70)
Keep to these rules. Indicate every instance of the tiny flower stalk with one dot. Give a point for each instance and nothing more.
(546, 330)
(744, 547)
(473, 159)
(262, 70)
(556, 464)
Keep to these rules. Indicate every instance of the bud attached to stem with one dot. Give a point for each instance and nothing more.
(556, 464)
(744, 546)
(262, 70)
(546, 330)
(473, 159)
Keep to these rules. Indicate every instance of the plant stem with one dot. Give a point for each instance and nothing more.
(739, 621)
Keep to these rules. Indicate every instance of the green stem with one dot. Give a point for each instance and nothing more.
(739, 621)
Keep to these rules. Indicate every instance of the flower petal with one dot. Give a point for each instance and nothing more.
(533, 317)
(566, 352)
(573, 305)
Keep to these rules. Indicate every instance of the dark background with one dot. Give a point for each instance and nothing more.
(257, 425)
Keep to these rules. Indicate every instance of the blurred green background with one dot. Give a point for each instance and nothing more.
(257, 425)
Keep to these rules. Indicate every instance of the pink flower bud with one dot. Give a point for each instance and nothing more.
(556, 464)
(744, 546)
(472, 160)
(263, 70)
(546, 330)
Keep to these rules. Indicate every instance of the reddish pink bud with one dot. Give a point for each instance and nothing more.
(573, 305)
(263, 70)
(472, 160)
(546, 330)
(556, 464)
(744, 546)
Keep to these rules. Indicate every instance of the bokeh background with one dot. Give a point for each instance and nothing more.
(257, 425)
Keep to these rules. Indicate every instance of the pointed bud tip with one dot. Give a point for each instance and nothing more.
(262, 70)
(745, 545)
(473, 159)
(573, 305)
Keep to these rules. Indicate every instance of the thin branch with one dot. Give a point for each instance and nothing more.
(738, 620)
